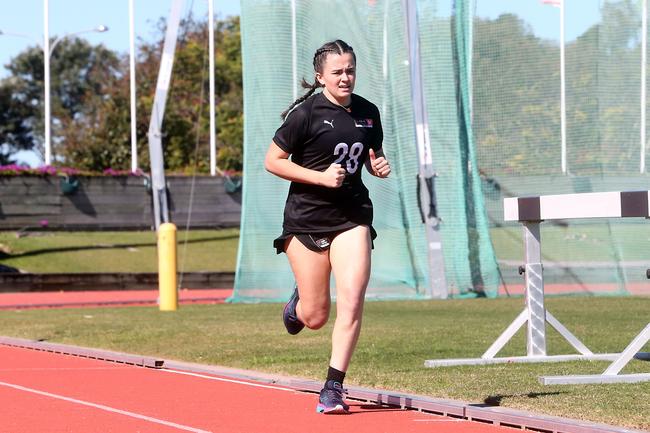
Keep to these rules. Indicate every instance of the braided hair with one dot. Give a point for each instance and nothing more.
(334, 47)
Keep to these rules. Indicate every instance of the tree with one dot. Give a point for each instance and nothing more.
(186, 123)
(229, 82)
(516, 89)
(516, 96)
(15, 131)
(81, 76)
(90, 102)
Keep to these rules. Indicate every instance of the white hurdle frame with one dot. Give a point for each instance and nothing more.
(531, 211)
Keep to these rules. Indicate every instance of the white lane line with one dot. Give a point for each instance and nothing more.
(223, 379)
(106, 408)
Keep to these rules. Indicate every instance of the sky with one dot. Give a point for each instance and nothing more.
(69, 16)
(25, 17)
(544, 19)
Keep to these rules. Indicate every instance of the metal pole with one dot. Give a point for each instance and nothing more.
(100, 29)
(644, 43)
(158, 184)
(437, 283)
(134, 126)
(562, 90)
(294, 51)
(384, 59)
(213, 137)
(46, 81)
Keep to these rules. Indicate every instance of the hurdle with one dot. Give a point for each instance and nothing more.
(531, 212)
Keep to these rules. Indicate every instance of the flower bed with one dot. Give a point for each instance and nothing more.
(50, 170)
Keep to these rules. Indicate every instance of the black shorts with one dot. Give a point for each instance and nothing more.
(317, 242)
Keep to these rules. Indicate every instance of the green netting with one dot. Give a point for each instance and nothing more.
(517, 129)
(278, 36)
(491, 81)
(479, 246)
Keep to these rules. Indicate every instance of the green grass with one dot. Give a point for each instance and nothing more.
(62, 252)
(216, 250)
(396, 340)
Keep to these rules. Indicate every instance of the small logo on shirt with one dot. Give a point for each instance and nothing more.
(363, 123)
(329, 123)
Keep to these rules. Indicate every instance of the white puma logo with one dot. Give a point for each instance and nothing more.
(329, 123)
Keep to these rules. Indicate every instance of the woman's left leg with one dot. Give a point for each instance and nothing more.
(350, 258)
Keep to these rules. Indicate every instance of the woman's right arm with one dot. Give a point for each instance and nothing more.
(277, 162)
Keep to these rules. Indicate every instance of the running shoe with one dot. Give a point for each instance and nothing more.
(331, 397)
(289, 317)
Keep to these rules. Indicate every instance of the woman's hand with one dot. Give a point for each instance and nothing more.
(277, 162)
(333, 177)
(378, 164)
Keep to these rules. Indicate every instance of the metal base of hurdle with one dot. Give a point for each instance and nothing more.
(535, 314)
(531, 211)
(610, 375)
(489, 356)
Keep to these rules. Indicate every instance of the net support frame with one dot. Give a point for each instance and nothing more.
(437, 287)
(158, 183)
(531, 212)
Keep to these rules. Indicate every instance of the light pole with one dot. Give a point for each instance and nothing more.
(644, 46)
(213, 137)
(132, 89)
(47, 53)
(560, 4)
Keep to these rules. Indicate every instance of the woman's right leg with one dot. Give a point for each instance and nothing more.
(312, 272)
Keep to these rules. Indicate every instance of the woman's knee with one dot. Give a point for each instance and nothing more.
(349, 308)
(315, 318)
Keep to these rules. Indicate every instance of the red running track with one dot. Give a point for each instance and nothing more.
(121, 298)
(19, 300)
(47, 392)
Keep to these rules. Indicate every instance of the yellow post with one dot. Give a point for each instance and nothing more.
(168, 294)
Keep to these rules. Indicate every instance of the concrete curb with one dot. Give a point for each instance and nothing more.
(103, 355)
(458, 409)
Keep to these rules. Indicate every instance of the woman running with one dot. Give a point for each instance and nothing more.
(327, 227)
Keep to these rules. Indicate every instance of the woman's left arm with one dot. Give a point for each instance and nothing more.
(377, 164)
